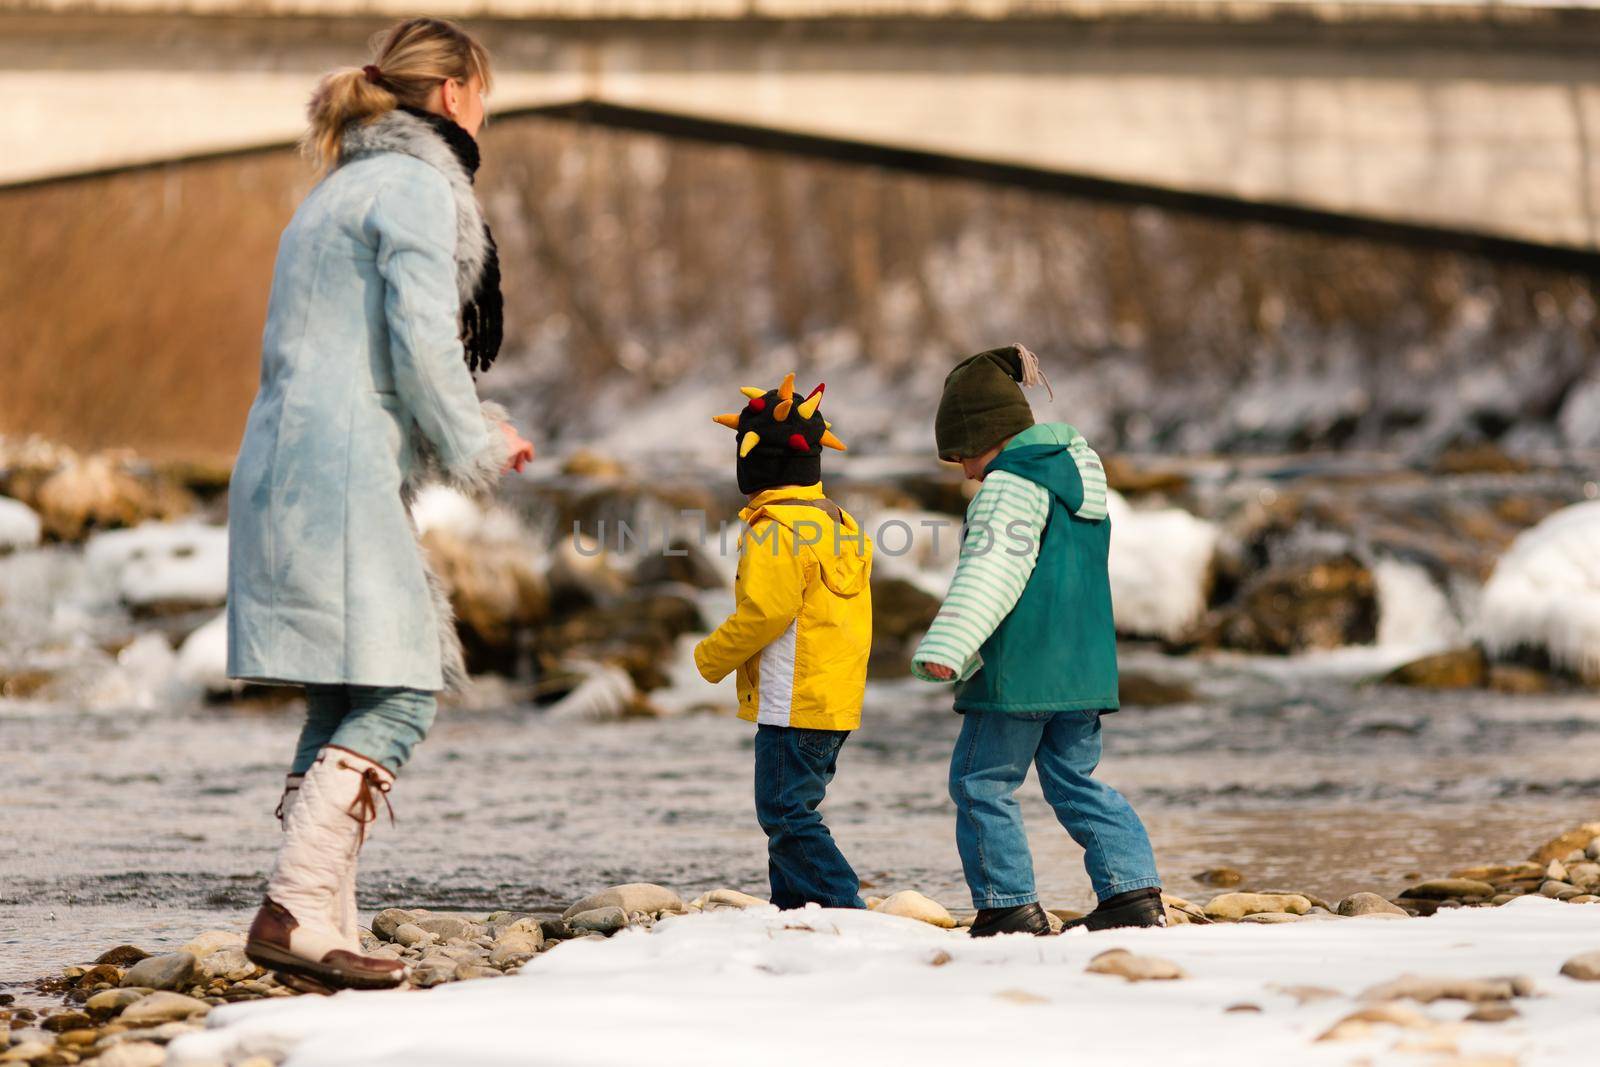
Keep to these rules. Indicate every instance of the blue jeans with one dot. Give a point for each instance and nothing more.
(383, 725)
(991, 760)
(793, 769)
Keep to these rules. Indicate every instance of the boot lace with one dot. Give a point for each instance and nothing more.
(364, 808)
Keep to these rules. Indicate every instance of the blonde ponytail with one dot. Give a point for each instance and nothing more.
(409, 60)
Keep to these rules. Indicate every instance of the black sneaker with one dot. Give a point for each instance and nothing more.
(1141, 907)
(1022, 919)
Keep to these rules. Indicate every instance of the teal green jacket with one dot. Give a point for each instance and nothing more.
(1055, 649)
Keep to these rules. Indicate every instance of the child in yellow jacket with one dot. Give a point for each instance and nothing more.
(798, 637)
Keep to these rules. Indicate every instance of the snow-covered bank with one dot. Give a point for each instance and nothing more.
(780, 988)
(1545, 592)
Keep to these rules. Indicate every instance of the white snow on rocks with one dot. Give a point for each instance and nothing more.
(1544, 593)
(725, 986)
(19, 525)
(1414, 615)
(1160, 565)
(181, 564)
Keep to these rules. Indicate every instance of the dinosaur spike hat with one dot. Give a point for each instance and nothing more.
(780, 437)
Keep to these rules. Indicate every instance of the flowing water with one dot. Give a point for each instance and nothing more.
(150, 826)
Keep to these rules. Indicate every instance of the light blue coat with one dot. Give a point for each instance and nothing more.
(364, 394)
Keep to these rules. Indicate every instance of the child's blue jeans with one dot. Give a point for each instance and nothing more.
(793, 769)
(991, 760)
(382, 724)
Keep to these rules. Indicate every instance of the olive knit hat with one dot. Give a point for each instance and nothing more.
(983, 404)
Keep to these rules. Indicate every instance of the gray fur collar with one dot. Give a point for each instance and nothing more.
(409, 135)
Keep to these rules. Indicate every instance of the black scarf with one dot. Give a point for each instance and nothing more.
(482, 325)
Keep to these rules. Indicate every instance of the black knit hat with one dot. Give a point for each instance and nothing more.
(982, 403)
(780, 439)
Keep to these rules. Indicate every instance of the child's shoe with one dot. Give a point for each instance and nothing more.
(1022, 919)
(1141, 907)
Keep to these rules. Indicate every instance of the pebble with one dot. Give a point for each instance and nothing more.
(445, 927)
(1359, 1024)
(1221, 877)
(132, 1054)
(1494, 1012)
(1238, 905)
(555, 929)
(111, 1001)
(228, 963)
(724, 898)
(1560, 890)
(411, 935)
(161, 972)
(1450, 889)
(1585, 968)
(1426, 990)
(67, 1020)
(387, 921)
(606, 920)
(1124, 964)
(1267, 918)
(214, 941)
(910, 904)
(1593, 851)
(25, 1051)
(634, 896)
(123, 955)
(1368, 904)
(163, 1008)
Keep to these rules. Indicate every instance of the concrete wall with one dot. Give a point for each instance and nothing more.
(1477, 117)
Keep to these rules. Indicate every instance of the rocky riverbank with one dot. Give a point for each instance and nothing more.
(124, 1007)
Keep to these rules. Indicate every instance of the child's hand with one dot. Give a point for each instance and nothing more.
(939, 671)
(519, 449)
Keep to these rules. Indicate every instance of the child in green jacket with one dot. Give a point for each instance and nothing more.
(1027, 631)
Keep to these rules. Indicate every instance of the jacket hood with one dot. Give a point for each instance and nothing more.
(842, 550)
(1056, 456)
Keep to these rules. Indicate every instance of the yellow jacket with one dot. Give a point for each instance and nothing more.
(801, 628)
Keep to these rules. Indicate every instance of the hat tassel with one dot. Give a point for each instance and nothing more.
(1032, 375)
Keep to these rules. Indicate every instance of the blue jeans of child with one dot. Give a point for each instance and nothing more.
(991, 760)
(381, 724)
(793, 769)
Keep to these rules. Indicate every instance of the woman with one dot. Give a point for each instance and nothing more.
(385, 300)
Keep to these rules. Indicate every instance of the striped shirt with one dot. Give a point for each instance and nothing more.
(1005, 525)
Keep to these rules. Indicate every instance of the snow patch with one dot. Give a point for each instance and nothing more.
(716, 987)
(19, 525)
(203, 658)
(1544, 593)
(1160, 565)
(155, 563)
(1413, 612)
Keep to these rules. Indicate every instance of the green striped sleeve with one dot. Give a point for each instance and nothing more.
(997, 558)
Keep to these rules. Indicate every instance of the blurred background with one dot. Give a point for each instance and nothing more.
(1317, 278)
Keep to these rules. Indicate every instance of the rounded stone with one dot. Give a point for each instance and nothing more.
(1368, 904)
(161, 972)
(604, 920)
(163, 1007)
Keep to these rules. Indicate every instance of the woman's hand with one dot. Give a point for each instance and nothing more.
(519, 450)
(939, 671)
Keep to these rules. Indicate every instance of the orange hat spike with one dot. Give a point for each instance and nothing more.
(749, 442)
(781, 412)
(730, 421)
(752, 391)
(786, 389)
(808, 407)
(830, 441)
